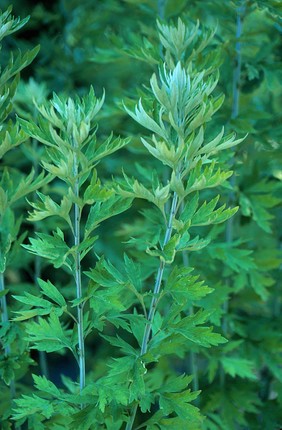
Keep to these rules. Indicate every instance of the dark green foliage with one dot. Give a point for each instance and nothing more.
(140, 275)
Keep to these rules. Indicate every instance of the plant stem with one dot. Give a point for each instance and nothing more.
(155, 298)
(159, 278)
(161, 14)
(5, 320)
(4, 310)
(192, 355)
(237, 70)
(43, 363)
(37, 266)
(229, 233)
(161, 8)
(77, 275)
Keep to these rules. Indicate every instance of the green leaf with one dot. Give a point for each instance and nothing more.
(109, 146)
(49, 335)
(137, 384)
(49, 290)
(53, 248)
(169, 156)
(141, 116)
(132, 188)
(174, 398)
(26, 315)
(261, 282)
(178, 403)
(185, 244)
(107, 292)
(84, 247)
(117, 341)
(106, 274)
(204, 336)
(4, 292)
(166, 254)
(95, 192)
(28, 185)
(185, 287)
(206, 214)
(207, 178)
(8, 365)
(190, 208)
(30, 299)
(133, 271)
(48, 207)
(237, 259)
(30, 405)
(101, 211)
(237, 366)
(43, 384)
(122, 368)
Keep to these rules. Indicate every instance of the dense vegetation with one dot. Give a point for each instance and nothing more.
(140, 213)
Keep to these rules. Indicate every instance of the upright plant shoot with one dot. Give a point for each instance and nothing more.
(183, 105)
(68, 130)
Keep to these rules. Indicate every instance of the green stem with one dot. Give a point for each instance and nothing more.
(43, 363)
(229, 233)
(5, 320)
(237, 70)
(161, 14)
(192, 355)
(77, 275)
(155, 298)
(4, 310)
(37, 265)
(161, 8)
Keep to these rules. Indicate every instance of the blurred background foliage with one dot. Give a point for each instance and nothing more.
(112, 45)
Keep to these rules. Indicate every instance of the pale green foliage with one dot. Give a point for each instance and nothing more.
(183, 104)
(68, 124)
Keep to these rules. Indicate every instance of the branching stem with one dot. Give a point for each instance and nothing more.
(154, 301)
(77, 275)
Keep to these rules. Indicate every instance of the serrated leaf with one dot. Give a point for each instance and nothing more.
(95, 192)
(204, 336)
(48, 207)
(48, 334)
(103, 210)
(134, 189)
(206, 214)
(237, 259)
(237, 366)
(8, 365)
(49, 290)
(43, 384)
(185, 287)
(185, 244)
(26, 315)
(137, 386)
(30, 405)
(168, 252)
(50, 247)
(30, 299)
(125, 347)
